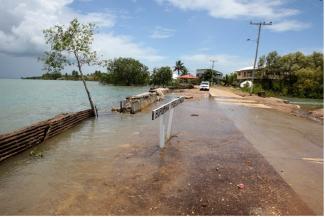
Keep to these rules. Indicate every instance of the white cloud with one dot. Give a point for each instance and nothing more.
(289, 25)
(22, 23)
(223, 62)
(111, 46)
(274, 10)
(161, 32)
(231, 9)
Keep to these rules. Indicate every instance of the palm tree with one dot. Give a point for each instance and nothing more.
(179, 66)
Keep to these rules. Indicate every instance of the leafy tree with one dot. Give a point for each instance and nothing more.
(230, 79)
(53, 61)
(127, 71)
(184, 71)
(97, 75)
(294, 74)
(208, 75)
(51, 76)
(70, 46)
(162, 76)
(179, 66)
(75, 75)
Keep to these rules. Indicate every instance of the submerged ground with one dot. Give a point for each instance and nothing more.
(218, 143)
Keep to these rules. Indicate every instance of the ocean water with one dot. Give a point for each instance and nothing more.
(23, 102)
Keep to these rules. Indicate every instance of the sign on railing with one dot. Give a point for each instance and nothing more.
(159, 113)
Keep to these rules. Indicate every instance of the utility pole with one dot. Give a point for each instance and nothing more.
(213, 61)
(259, 24)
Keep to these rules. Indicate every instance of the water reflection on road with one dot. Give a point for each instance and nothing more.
(112, 165)
(286, 142)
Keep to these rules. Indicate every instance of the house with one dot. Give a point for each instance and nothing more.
(217, 78)
(244, 73)
(247, 74)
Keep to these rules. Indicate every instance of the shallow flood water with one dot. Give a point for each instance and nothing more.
(26, 101)
(292, 145)
(305, 103)
(76, 156)
(113, 165)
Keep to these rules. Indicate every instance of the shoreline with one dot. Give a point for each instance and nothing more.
(280, 105)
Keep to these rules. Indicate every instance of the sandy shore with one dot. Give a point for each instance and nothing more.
(273, 102)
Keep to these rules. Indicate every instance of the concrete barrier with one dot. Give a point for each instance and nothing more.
(134, 104)
(22, 139)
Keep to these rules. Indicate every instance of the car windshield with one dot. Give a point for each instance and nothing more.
(205, 83)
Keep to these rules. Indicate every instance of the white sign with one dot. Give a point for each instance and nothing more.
(156, 113)
(159, 113)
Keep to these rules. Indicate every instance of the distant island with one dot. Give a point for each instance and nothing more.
(74, 76)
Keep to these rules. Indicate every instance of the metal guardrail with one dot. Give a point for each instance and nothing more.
(160, 112)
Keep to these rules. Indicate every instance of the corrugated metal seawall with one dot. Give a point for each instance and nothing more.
(22, 139)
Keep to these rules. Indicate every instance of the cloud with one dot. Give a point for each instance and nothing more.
(121, 46)
(161, 32)
(232, 9)
(289, 25)
(223, 62)
(22, 23)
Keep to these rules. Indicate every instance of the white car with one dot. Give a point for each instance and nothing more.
(204, 85)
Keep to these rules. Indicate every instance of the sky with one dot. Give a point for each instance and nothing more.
(160, 32)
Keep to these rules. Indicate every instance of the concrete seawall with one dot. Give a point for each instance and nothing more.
(22, 139)
(134, 104)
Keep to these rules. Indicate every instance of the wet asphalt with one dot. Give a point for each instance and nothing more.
(216, 163)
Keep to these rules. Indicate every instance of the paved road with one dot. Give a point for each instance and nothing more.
(100, 169)
(292, 145)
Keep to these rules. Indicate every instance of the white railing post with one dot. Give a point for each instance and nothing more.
(170, 120)
(159, 113)
(162, 131)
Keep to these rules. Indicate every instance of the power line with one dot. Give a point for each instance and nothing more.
(259, 24)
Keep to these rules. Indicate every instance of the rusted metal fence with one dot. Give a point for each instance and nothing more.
(22, 139)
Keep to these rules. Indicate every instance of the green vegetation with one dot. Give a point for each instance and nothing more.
(70, 46)
(230, 79)
(208, 75)
(294, 74)
(162, 76)
(125, 71)
(74, 76)
(179, 67)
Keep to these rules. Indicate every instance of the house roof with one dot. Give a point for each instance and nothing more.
(188, 76)
(249, 68)
(246, 68)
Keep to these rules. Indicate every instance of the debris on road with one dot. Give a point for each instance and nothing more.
(34, 153)
(241, 186)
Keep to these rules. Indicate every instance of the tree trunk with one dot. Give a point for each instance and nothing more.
(85, 85)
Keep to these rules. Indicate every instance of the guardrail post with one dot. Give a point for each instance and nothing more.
(159, 113)
(170, 120)
(162, 131)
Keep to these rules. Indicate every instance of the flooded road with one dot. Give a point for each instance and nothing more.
(113, 165)
(292, 145)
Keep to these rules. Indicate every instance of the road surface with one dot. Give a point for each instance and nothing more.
(217, 144)
(292, 145)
